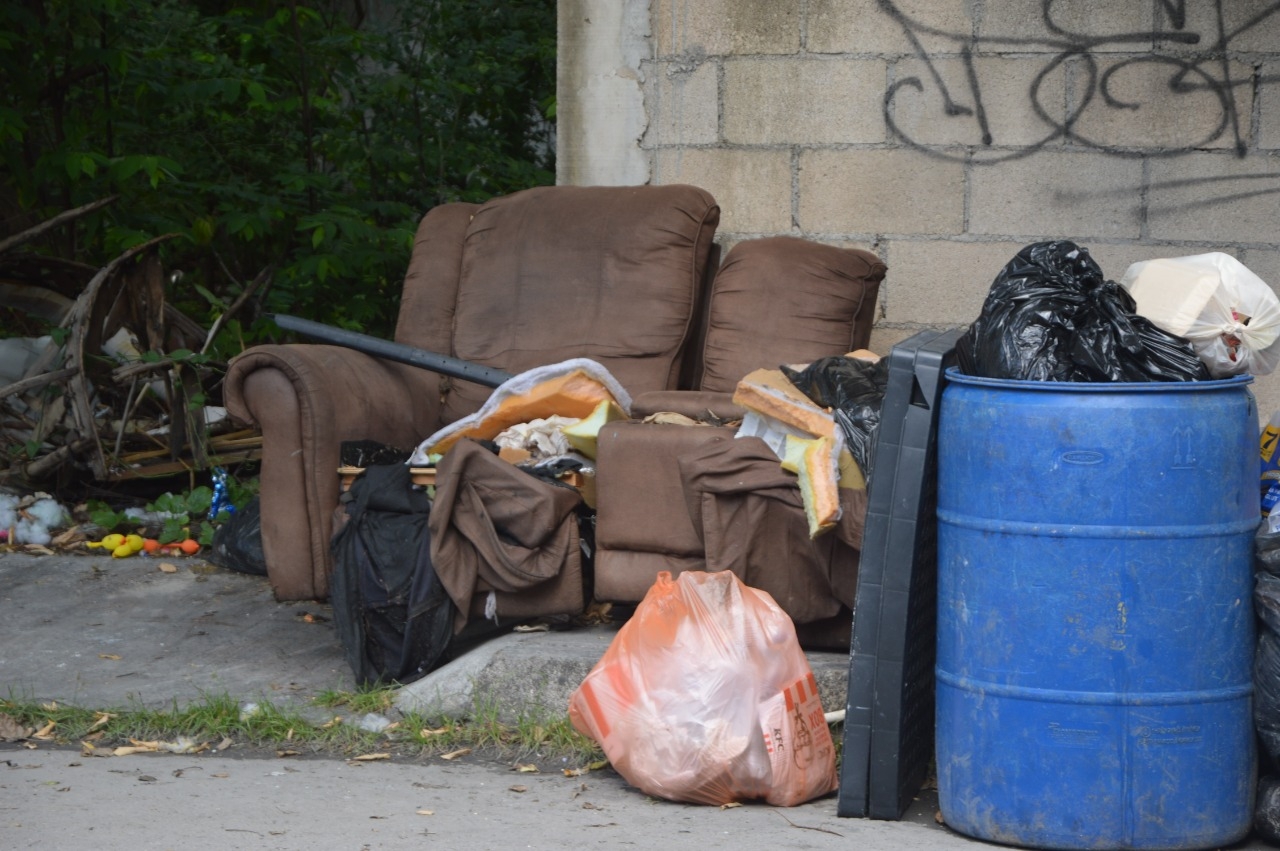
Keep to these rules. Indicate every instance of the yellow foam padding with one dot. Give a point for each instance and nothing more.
(582, 434)
(850, 473)
(570, 389)
(769, 392)
(793, 458)
(816, 464)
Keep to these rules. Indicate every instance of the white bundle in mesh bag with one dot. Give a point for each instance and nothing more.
(1229, 314)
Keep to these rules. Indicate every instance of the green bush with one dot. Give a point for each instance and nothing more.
(304, 139)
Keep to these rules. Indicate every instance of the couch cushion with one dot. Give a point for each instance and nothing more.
(786, 300)
(431, 282)
(608, 273)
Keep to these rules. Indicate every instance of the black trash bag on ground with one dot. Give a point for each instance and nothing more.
(854, 390)
(1266, 550)
(1051, 316)
(392, 614)
(1266, 659)
(1266, 813)
(237, 544)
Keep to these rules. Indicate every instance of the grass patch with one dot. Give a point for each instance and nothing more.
(218, 719)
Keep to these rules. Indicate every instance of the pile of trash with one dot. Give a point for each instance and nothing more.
(1051, 315)
(103, 378)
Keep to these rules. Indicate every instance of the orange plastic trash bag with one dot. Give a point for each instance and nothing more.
(705, 696)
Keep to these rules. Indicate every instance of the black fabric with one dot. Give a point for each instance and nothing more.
(392, 614)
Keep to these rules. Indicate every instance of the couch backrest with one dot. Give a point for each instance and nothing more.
(557, 272)
(430, 291)
(783, 299)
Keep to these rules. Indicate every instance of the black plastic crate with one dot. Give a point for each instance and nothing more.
(889, 716)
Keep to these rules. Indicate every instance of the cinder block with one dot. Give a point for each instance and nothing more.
(884, 337)
(865, 27)
(724, 27)
(1269, 111)
(1246, 30)
(753, 187)
(1149, 105)
(880, 191)
(1021, 25)
(1000, 98)
(1214, 198)
(1058, 195)
(1263, 262)
(940, 282)
(794, 100)
(1116, 258)
(683, 104)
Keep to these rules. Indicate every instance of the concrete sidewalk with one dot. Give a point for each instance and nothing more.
(103, 633)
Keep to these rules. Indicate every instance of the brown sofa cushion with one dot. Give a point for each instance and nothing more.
(608, 273)
(431, 282)
(830, 297)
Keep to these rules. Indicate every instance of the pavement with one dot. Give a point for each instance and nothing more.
(103, 633)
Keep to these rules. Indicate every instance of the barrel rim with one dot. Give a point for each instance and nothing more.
(954, 374)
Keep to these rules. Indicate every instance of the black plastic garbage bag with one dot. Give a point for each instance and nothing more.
(854, 390)
(1266, 666)
(1266, 659)
(1051, 316)
(1266, 817)
(237, 544)
(390, 610)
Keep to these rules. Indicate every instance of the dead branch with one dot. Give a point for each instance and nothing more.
(57, 221)
(78, 320)
(35, 381)
(258, 280)
(135, 368)
(46, 464)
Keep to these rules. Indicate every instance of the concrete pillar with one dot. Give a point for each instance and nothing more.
(600, 111)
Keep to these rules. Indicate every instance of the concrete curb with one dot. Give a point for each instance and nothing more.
(532, 675)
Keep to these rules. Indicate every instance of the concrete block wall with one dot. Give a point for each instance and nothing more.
(945, 135)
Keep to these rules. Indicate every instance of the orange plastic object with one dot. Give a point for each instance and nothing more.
(574, 394)
(770, 392)
(705, 696)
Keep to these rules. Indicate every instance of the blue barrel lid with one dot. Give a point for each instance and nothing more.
(1236, 381)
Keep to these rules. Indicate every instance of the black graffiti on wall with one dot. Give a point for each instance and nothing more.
(1203, 72)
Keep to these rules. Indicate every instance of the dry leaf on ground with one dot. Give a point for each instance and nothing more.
(11, 730)
(103, 718)
(455, 754)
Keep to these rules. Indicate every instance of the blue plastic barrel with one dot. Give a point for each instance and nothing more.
(1095, 621)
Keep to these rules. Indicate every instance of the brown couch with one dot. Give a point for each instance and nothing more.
(610, 273)
(681, 497)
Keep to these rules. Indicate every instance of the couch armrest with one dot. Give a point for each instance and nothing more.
(307, 399)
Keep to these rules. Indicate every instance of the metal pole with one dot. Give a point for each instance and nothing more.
(389, 350)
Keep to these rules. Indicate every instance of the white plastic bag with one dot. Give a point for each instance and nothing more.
(705, 696)
(1229, 314)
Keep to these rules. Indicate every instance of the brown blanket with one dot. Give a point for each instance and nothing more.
(496, 528)
(752, 521)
